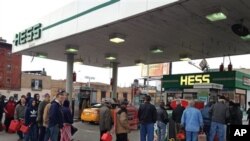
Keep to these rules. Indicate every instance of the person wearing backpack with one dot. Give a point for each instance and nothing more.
(162, 120)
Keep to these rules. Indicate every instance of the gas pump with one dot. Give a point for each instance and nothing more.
(84, 98)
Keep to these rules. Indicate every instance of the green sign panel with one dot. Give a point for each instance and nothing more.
(229, 79)
(28, 35)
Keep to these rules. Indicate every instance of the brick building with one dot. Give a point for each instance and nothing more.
(10, 67)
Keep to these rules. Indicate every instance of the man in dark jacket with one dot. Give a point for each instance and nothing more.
(56, 116)
(220, 114)
(105, 122)
(162, 120)
(147, 117)
(248, 113)
(177, 114)
(41, 107)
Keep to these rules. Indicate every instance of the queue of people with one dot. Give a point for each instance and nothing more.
(47, 120)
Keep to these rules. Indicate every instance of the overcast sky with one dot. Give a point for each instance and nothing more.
(15, 15)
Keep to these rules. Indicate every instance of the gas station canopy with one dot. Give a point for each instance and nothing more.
(152, 31)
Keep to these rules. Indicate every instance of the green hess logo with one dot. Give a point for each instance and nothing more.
(28, 35)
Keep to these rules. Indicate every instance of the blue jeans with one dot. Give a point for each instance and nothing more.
(161, 130)
(54, 133)
(219, 129)
(32, 134)
(147, 131)
(191, 136)
(47, 135)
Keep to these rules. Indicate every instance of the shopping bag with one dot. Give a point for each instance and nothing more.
(24, 129)
(14, 125)
(106, 137)
(202, 137)
(180, 135)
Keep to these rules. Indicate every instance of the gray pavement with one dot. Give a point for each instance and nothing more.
(86, 132)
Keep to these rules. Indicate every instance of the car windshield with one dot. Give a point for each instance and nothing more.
(97, 105)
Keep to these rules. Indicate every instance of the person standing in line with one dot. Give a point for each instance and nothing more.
(19, 115)
(2, 104)
(206, 119)
(37, 99)
(30, 120)
(147, 117)
(9, 110)
(40, 113)
(192, 121)
(105, 122)
(56, 117)
(162, 120)
(67, 122)
(177, 114)
(46, 121)
(220, 114)
(248, 113)
(122, 125)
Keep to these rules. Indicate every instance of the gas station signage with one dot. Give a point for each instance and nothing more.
(189, 80)
(28, 35)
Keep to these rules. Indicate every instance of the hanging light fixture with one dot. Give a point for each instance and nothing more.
(41, 55)
(117, 38)
(79, 61)
(230, 66)
(139, 62)
(110, 57)
(71, 49)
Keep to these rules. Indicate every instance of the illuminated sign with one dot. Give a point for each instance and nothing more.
(28, 35)
(192, 79)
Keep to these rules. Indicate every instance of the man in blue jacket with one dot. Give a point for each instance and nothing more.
(192, 121)
(56, 116)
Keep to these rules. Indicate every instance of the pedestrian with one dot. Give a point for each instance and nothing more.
(177, 114)
(67, 122)
(46, 121)
(37, 99)
(28, 98)
(30, 120)
(122, 125)
(9, 110)
(41, 107)
(192, 121)
(2, 105)
(236, 114)
(105, 122)
(56, 117)
(206, 119)
(147, 117)
(220, 114)
(248, 113)
(19, 115)
(162, 120)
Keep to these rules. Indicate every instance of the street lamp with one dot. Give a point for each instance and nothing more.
(89, 78)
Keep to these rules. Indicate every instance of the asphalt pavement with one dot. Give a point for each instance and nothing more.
(86, 132)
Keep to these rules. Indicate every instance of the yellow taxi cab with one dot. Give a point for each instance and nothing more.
(91, 114)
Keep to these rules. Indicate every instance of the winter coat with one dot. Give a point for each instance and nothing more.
(105, 122)
(46, 115)
(147, 113)
(177, 113)
(162, 115)
(30, 115)
(122, 125)
(219, 112)
(10, 109)
(20, 111)
(40, 113)
(55, 115)
(192, 119)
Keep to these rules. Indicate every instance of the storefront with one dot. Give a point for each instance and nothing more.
(234, 86)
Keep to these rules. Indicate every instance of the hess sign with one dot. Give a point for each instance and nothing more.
(28, 35)
(189, 80)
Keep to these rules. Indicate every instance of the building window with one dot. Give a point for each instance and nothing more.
(103, 94)
(8, 81)
(8, 67)
(125, 95)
